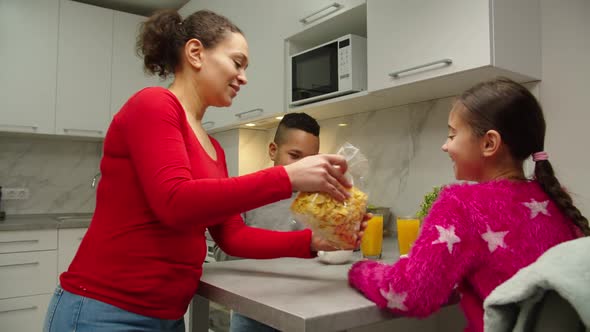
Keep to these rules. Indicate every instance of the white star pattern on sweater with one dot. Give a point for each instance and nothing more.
(394, 300)
(537, 207)
(494, 239)
(447, 236)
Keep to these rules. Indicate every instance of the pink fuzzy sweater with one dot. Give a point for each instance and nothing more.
(475, 237)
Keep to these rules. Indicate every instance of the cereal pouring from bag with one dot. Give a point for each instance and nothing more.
(337, 222)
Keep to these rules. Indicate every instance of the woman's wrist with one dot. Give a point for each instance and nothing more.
(312, 245)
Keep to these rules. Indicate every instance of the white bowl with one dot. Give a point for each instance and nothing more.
(335, 257)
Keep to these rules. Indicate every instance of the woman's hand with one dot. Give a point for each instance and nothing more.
(319, 244)
(323, 173)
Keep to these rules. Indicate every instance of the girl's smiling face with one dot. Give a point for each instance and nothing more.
(464, 147)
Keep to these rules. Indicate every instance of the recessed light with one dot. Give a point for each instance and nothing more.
(250, 124)
(342, 124)
(279, 118)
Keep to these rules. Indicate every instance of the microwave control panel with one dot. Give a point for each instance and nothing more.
(344, 59)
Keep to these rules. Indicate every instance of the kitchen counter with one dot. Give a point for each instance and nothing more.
(27, 222)
(289, 294)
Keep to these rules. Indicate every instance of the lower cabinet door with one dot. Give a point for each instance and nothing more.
(68, 243)
(24, 314)
(27, 273)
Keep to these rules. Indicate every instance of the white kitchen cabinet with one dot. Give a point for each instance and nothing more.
(69, 241)
(23, 241)
(24, 314)
(263, 95)
(128, 76)
(246, 150)
(450, 45)
(28, 50)
(28, 273)
(84, 69)
(28, 261)
(301, 15)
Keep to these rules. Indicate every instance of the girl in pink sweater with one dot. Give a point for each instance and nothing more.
(476, 236)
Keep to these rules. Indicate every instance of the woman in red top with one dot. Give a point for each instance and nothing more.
(164, 182)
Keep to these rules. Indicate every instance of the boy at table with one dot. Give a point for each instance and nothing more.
(297, 136)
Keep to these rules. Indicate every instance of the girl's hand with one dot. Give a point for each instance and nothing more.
(320, 244)
(320, 173)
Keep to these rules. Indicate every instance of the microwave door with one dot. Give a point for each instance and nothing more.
(315, 73)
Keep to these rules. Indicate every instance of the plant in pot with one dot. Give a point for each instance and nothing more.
(429, 198)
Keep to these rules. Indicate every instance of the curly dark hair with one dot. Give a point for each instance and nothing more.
(164, 34)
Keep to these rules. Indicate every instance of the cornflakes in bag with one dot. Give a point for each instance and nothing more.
(337, 222)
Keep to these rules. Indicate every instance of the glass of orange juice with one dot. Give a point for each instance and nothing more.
(407, 233)
(372, 241)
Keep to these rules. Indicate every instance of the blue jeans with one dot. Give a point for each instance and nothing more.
(241, 323)
(70, 312)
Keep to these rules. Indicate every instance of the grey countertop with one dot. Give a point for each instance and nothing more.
(27, 222)
(293, 294)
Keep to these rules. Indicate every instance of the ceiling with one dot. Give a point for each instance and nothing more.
(139, 7)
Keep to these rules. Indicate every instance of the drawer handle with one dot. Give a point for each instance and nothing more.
(334, 5)
(20, 241)
(446, 62)
(72, 130)
(33, 128)
(250, 113)
(19, 309)
(20, 264)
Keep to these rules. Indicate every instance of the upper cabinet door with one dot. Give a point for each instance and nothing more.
(28, 50)
(263, 95)
(458, 42)
(128, 75)
(421, 39)
(84, 69)
(303, 14)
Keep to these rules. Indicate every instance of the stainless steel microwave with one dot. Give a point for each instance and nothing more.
(329, 70)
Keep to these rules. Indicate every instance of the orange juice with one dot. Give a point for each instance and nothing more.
(407, 233)
(372, 240)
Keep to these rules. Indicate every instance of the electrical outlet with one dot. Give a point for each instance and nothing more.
(15, 193)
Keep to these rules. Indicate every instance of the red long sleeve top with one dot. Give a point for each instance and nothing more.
(159, 192)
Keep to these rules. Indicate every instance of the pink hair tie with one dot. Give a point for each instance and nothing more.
(540, 156)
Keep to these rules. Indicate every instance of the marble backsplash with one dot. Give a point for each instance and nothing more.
(58, 173)
(402, 144)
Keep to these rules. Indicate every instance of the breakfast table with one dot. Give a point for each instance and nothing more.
(289, 294)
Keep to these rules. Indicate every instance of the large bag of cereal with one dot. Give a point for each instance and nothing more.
(337, 222)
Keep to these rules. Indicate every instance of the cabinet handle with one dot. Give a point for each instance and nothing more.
(71, 130)
(208, 124)
(33, 128)
(20, 264)
(20, 241)
(19, 309)
(250, 113)
(446, 62)
(334, 5)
